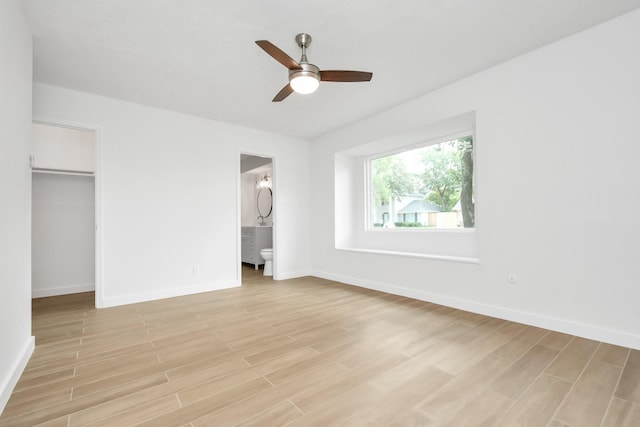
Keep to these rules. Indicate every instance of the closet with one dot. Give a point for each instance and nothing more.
(63, 210)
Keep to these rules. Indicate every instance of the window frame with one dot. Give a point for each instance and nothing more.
(368, 190)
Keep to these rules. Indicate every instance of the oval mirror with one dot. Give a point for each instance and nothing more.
(264, 202)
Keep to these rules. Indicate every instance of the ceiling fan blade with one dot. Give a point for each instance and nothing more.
(345, 76)
(278, 55)
(284, 92)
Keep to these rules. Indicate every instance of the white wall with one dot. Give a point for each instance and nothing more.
(62, 234)
(16, 342)
(558, 190)
(169, 189)
(247, 191)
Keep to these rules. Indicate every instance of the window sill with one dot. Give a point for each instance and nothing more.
(414, 255)
(421, 230)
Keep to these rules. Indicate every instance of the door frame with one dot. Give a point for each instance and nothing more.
(274, 212)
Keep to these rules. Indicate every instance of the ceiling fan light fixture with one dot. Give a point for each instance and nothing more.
(304, 82)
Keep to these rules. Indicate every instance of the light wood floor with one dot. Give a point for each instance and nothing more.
(308, 352)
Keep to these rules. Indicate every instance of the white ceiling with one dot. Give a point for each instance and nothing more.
(199, 56)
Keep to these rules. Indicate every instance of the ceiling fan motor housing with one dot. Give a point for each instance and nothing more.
(308, 70)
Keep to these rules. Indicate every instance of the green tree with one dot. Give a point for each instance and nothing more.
(467, 203)
(442, 177)
(390, 181)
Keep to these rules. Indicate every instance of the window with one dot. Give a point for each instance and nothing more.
(366, 221)
(426, 187)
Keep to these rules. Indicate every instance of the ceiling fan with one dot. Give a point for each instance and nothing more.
(305, 77)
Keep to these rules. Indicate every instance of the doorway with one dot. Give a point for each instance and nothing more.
(63, 203)
(257, 224)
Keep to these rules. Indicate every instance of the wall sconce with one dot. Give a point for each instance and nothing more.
(264, 182)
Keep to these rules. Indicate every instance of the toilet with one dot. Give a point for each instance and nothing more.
(267, 256)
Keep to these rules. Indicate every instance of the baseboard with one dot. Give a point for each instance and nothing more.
(9, 383)
(74, 289)
(294, 274)
(555, 324)
(167, 293)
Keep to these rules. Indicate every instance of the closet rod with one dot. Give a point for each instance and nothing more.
(61, 172)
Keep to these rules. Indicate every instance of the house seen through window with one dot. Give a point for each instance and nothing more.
(427, 187)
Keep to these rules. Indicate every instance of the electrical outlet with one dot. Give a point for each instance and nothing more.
(512, 279)
(195, 270)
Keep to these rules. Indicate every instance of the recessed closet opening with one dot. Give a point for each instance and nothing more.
(257, 190)
(63, 227)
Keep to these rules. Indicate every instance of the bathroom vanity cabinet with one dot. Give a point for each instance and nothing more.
(253, 240)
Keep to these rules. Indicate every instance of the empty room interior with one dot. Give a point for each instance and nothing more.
(360, 213)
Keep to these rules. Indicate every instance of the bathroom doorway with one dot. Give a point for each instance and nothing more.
(257, 213)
